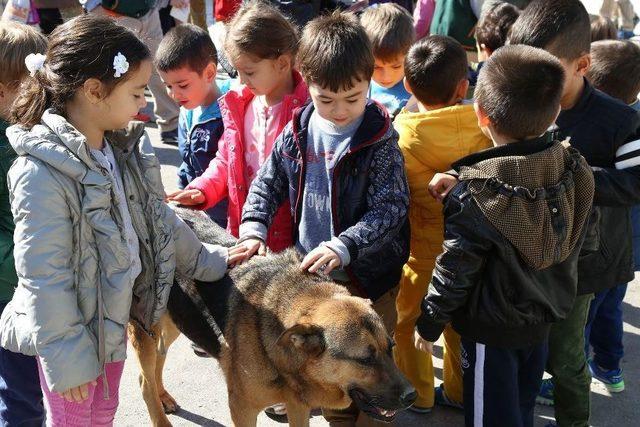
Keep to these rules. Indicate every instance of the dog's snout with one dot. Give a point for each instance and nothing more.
(408, 396)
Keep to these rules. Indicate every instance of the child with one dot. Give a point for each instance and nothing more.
(441, 132)
(20, 394)
(491, 34)
(262, 45)
(339, 165)
(95, 244)
(615, 70)
(603, 130)
(186, 61)
(496, 280)
(390, 30)
(602, 28)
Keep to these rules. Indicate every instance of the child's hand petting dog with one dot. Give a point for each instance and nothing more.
(187, 197)
(441, 185)
(321, 258)
(246, 249)
(236, 255)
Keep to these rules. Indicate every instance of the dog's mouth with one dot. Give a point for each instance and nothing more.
(369, 406)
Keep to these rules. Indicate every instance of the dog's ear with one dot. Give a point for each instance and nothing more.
(304, 337)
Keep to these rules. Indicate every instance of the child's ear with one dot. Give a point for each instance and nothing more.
(461, 90)
(406, 85)
(210, 72)
(583, 64)
(284, 62)
(483, 119)
(93, 90)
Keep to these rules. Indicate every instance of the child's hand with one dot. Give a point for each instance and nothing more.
(320, 257)
(77, 394)
(422, 344)
(245, 250)
(187, 197)
(441, 184)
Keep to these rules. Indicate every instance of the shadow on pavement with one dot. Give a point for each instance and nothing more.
(196, 419)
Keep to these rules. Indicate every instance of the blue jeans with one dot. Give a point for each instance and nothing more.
(604, 327)
(20, 393)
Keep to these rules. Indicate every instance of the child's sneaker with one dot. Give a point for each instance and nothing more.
(612, 379)
(442, 399)
(545, 396)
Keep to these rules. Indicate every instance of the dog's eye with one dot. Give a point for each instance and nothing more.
(367, 361)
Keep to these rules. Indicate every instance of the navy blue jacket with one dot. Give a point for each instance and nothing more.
(198, 145)
(607, 134)
(369, 196)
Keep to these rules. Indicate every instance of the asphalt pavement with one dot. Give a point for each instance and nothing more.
(199, 387)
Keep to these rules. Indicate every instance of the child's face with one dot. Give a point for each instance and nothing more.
(388, 74)
(262, 76)
(126, 99)
(189, 88)
(574, 72)
(342, 107)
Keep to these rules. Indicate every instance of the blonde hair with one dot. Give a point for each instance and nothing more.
(16, 42)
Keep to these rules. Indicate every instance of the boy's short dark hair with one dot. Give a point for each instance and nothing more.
(389, 27)
(186, 45)
(519, 89)
(615, 69)
(334, 51)
(494, 25)
(434, 67)
(560, 27)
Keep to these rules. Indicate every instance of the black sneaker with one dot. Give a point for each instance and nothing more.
(169, 137)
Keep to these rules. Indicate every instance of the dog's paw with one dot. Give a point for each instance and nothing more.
(169, 404)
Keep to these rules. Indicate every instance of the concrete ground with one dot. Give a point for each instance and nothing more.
(198, 386)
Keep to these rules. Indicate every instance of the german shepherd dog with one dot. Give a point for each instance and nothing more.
(280, 335)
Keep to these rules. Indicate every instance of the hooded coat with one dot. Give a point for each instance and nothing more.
(75, 295)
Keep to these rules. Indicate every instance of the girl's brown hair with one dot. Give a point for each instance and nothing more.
(80, 49)
(259, 29)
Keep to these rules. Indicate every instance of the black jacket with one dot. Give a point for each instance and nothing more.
(606, 133)
(514, 227)
(369, 198)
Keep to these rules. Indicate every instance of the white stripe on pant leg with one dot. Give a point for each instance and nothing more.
(478, 387)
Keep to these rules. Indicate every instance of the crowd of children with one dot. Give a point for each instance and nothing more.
(493, 203)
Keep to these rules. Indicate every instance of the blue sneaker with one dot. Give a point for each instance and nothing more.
(442, 399)
(545, 396)
(612, 379)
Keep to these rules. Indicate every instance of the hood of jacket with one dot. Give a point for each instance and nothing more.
(536, 193)
(60, 145)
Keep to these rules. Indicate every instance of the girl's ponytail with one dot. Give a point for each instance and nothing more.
(33, 100)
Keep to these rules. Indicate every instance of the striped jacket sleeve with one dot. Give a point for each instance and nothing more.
(620, 185)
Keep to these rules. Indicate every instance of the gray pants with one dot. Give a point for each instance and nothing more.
(148, 29)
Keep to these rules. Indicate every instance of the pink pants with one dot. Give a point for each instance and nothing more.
(93, 412)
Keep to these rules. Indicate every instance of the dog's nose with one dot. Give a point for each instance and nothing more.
(408, 397)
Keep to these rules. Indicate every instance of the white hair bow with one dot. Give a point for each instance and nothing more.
(34, 62)
(120, 64)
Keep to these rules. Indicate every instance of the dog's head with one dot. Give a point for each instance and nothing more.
(345, 345)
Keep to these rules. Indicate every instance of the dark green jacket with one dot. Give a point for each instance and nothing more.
(8, 278)
(455, 18)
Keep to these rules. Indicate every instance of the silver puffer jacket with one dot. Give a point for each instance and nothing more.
(75, 294)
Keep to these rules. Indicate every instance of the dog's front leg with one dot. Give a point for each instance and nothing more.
(145, 349)
(243, 414)
(298, 414)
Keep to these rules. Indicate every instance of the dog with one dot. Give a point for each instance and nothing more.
(280, 334)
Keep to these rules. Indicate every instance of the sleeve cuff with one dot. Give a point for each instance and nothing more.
(427, 329)
(336, 245)
(253, 229)
(218, 257)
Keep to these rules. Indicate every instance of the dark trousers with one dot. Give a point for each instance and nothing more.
(604, 327)
(500, 385)
(20, 393)
(567, 365)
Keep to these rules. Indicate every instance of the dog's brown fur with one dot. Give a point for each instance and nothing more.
(291, 337)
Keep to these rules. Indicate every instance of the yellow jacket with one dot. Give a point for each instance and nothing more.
(431, 142)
